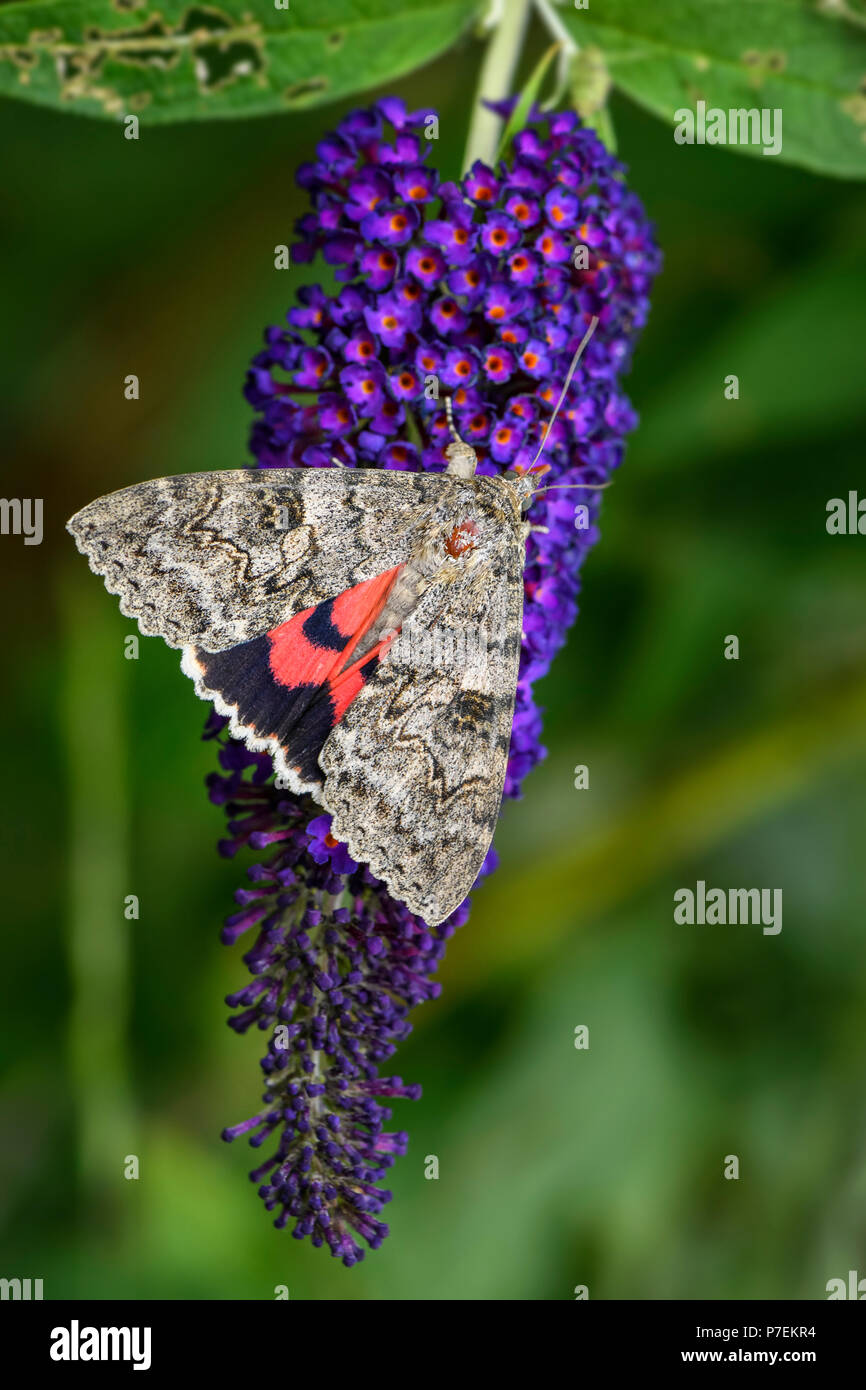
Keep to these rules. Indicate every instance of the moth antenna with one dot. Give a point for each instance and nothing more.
(588, 487)
(569, 374)
(454, 435)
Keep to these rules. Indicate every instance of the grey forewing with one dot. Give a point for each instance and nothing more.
(213, 559)
(414, 770)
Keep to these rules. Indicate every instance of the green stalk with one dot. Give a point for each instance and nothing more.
(495, 79)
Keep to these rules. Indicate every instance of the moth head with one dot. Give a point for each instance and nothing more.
(524, 481)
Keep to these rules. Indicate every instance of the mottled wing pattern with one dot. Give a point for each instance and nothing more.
(284, 691)
(214, 559)
(415, 768)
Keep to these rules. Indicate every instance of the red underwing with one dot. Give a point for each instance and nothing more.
(362, 627)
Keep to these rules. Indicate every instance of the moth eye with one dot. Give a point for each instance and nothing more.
(461, 539)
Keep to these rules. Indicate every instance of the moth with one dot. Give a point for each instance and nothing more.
(361, 626)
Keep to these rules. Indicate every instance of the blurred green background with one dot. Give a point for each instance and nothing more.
(557, 1167)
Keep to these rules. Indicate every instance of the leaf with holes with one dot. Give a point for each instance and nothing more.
(182, 61)
(790, 55)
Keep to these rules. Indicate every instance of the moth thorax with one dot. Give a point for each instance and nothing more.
(462, 460)
(461, 539)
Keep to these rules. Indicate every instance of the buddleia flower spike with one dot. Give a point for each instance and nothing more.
(286, 587)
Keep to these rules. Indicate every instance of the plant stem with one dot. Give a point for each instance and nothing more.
(568, 51)
(555, 27)
(495, 78)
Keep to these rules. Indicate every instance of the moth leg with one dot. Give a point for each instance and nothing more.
(338, 462)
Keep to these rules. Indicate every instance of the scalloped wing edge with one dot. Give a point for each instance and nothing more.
(122, 592)
(255, 742)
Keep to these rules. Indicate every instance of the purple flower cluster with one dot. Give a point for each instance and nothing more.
(336, 966)
(480, 291)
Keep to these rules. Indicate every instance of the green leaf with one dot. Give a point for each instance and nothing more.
(520, 114)
(182, 61)
(735, 54)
